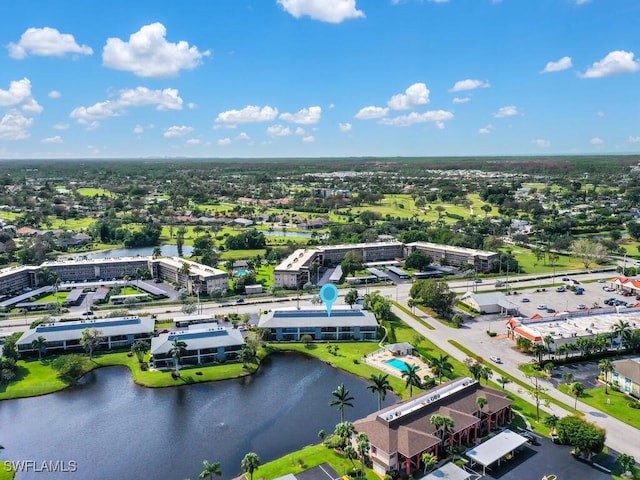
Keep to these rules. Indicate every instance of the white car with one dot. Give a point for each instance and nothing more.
(582, 306)
(495, 359)
(542, 306)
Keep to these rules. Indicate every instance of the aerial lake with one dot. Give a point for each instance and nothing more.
(112, 428)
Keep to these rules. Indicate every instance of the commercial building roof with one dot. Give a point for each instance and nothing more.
(317, 317)
(197, 338)
(61, 331)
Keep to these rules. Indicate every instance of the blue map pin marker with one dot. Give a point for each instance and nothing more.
(329, 294)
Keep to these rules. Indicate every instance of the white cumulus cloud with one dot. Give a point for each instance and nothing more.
(177, 131)
(300, 131)
(96, 112)
(469, 84)
(461, 99)
(54, 94)
(19, 96)
(486, 130)
(149, 54)
(367, 113)
(46, 42)
(193, 141)
(278, 131)
(508, 111)
(306, 116)
(15, 126)
(596, 141)
(330, 11)
(634, 139)
(309, 139)
(167, 99)
(413, 117)
(56, 139)
(223, 142)
(61, 126)
(614, 63)
(249, 114)
(345, 127)
(243, 136)
(563, 64)
(541, 142)
(414, 96)
(138, 129)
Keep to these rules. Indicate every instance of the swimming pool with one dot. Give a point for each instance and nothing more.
(397, 364)
(242, 272)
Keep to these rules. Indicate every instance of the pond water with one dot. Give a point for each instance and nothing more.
(167, 251)
(113, 428)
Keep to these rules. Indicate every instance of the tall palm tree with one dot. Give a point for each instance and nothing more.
(380, 385)
(342, 399)
(486, 373)
(606, 367)
(442, 423)
(441, 365)
(140, 347)
(410, 374)
(551, 422)
(576, 389)
(363, 446)
(503, 381)
(250, 463)
(38, 344)
(538, 350)
(178, 348)
(622, 329)
(481, 402)
(209, 470)
(157, 252)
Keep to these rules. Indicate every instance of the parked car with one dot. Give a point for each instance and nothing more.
(478, 280)
(88, 312)
(561, 289)
(240, 300)
(602, 280)
(550, 310)
(542, 306)
(525, 300)
(566, 279)
(495, 359)
(582, 306)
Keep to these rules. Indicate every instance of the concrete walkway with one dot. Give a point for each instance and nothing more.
(620, 436)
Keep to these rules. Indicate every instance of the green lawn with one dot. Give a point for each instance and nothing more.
(36, 377)
(241, 254)
(264, 274)
(617, 406)
(308, 457)
(94, 192)
(72, 223)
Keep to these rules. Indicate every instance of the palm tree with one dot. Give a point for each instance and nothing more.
(606, 367)
(248, 355)
(350, 453)
(429, 461)
(38, 344)
(503, 381)
(486, 373)
(363, 446)
(157, 252)
(410, 374)
(344, 431)
(342, 399)
(441, 365)
(576, 389)
(380, 386)
(140, 347)
(539, 350)
(178, 348)
(442, 424)
(250, 463)
(621, 329)
(481, 402)
(548, 341)
(209, 470)
(551, 422)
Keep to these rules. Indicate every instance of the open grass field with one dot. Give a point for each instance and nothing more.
(308, 457)
(72, 223)
(617, 406)
(94, 192)
(241, 254)
(530, 264)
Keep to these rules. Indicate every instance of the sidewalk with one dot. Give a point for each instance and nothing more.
(619, 434)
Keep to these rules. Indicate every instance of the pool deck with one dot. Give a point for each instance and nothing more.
(378, 358)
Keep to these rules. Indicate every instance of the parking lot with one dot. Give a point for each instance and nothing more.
(558, 298)
(534, 462)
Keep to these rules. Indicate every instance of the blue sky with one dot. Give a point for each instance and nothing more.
(290, 78)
